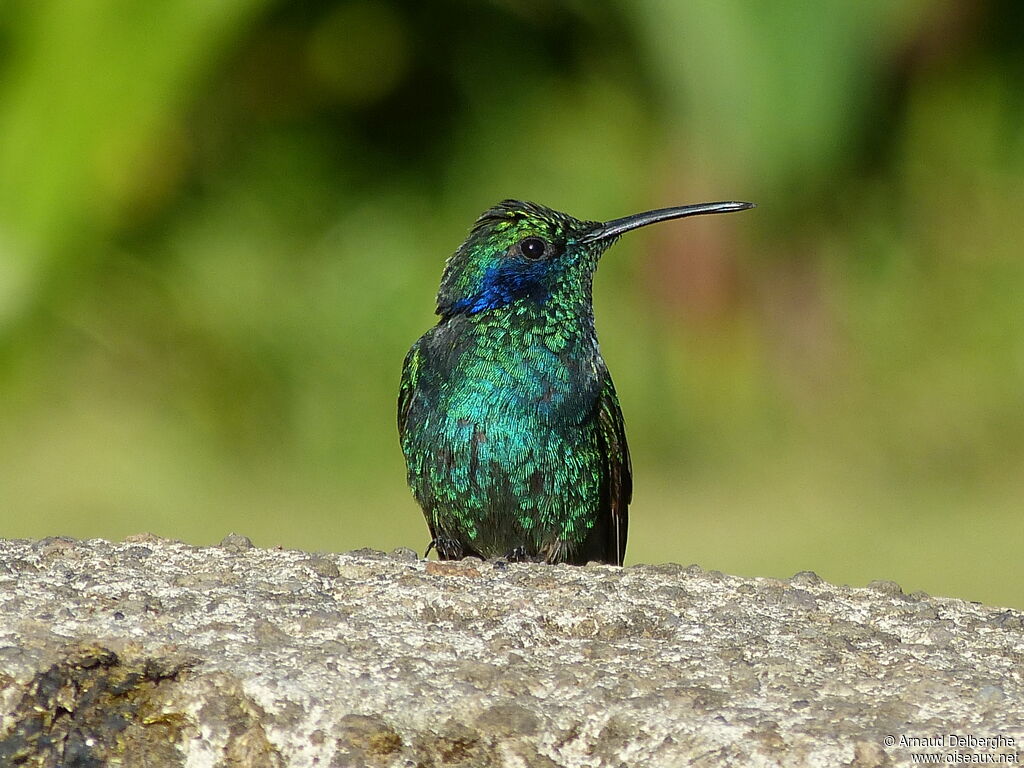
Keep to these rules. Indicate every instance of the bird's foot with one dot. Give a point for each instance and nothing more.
(517, 555)
(447, 549)
(520, 555)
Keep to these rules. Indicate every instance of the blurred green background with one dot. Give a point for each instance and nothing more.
(222, 225)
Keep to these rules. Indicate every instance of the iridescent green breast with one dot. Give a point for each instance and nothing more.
(500, 436)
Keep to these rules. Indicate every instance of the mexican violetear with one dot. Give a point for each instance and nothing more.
(509, 422)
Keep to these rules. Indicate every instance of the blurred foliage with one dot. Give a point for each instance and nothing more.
(222, 224)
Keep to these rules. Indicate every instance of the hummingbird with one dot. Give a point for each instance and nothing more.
(511, 428)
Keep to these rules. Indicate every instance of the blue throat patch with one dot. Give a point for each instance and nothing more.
(504, 284)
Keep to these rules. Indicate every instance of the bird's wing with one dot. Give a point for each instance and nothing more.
(618, 473)
(410, 377)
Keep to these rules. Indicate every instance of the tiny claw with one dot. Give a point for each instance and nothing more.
(447, 549)
(517, 555)
(520, 555)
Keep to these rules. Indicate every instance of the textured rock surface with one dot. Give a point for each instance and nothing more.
(154, 653)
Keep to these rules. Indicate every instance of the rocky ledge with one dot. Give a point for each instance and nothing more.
(155, 653)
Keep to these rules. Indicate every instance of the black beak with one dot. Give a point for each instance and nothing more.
(616, 227)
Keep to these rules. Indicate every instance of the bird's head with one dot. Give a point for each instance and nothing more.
(520, 251)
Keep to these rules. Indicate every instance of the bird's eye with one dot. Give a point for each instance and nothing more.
(532, 248)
